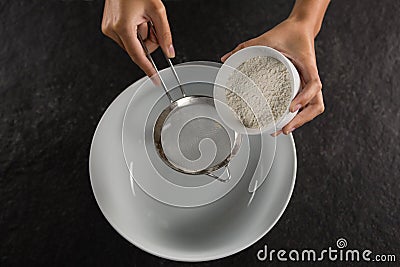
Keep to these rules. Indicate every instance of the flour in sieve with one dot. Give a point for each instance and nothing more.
(273, 80)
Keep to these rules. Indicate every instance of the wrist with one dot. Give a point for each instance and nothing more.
(309, 13)
(303, 25)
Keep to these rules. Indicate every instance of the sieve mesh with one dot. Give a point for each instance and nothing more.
(193, 139)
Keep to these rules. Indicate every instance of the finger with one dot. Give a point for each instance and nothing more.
(237, 48)
(143, 30)
(163, 31)
(275, 134)
(309, 75)
(315, 108)
(134, 49)
(150, 40)
(302, 82)
(306, 94)
(151, 45)
(226, 56)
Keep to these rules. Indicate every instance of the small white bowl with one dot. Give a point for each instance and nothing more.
(225, 72)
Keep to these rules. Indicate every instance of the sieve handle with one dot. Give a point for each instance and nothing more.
(146, 51)
(228, 173)
(150, 26)
(148, 55)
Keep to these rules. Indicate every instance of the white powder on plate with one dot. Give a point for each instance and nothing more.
(273, 80)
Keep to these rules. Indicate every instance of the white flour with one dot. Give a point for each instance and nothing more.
(273, 80)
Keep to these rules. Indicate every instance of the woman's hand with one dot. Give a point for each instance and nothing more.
(123, 19)
(295, 40)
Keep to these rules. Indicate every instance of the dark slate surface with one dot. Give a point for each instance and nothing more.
(58, 74)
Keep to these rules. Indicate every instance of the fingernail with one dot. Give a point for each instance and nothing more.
(276, 133)
(296, 108)
(171, 51)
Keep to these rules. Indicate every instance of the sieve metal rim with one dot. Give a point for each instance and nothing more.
(157, 129)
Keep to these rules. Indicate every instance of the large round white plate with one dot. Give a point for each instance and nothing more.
(209, 232)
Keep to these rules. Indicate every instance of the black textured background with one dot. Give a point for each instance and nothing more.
(58, 74)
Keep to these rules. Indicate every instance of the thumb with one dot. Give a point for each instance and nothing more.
(237, 48)
(164, 36)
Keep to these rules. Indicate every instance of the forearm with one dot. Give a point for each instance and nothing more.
(311, 13)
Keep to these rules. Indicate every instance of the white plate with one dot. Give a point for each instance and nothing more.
(203, 233)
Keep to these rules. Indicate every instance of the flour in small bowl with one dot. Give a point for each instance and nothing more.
(273, 80)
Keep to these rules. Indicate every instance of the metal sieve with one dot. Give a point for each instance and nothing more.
(189, 135)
